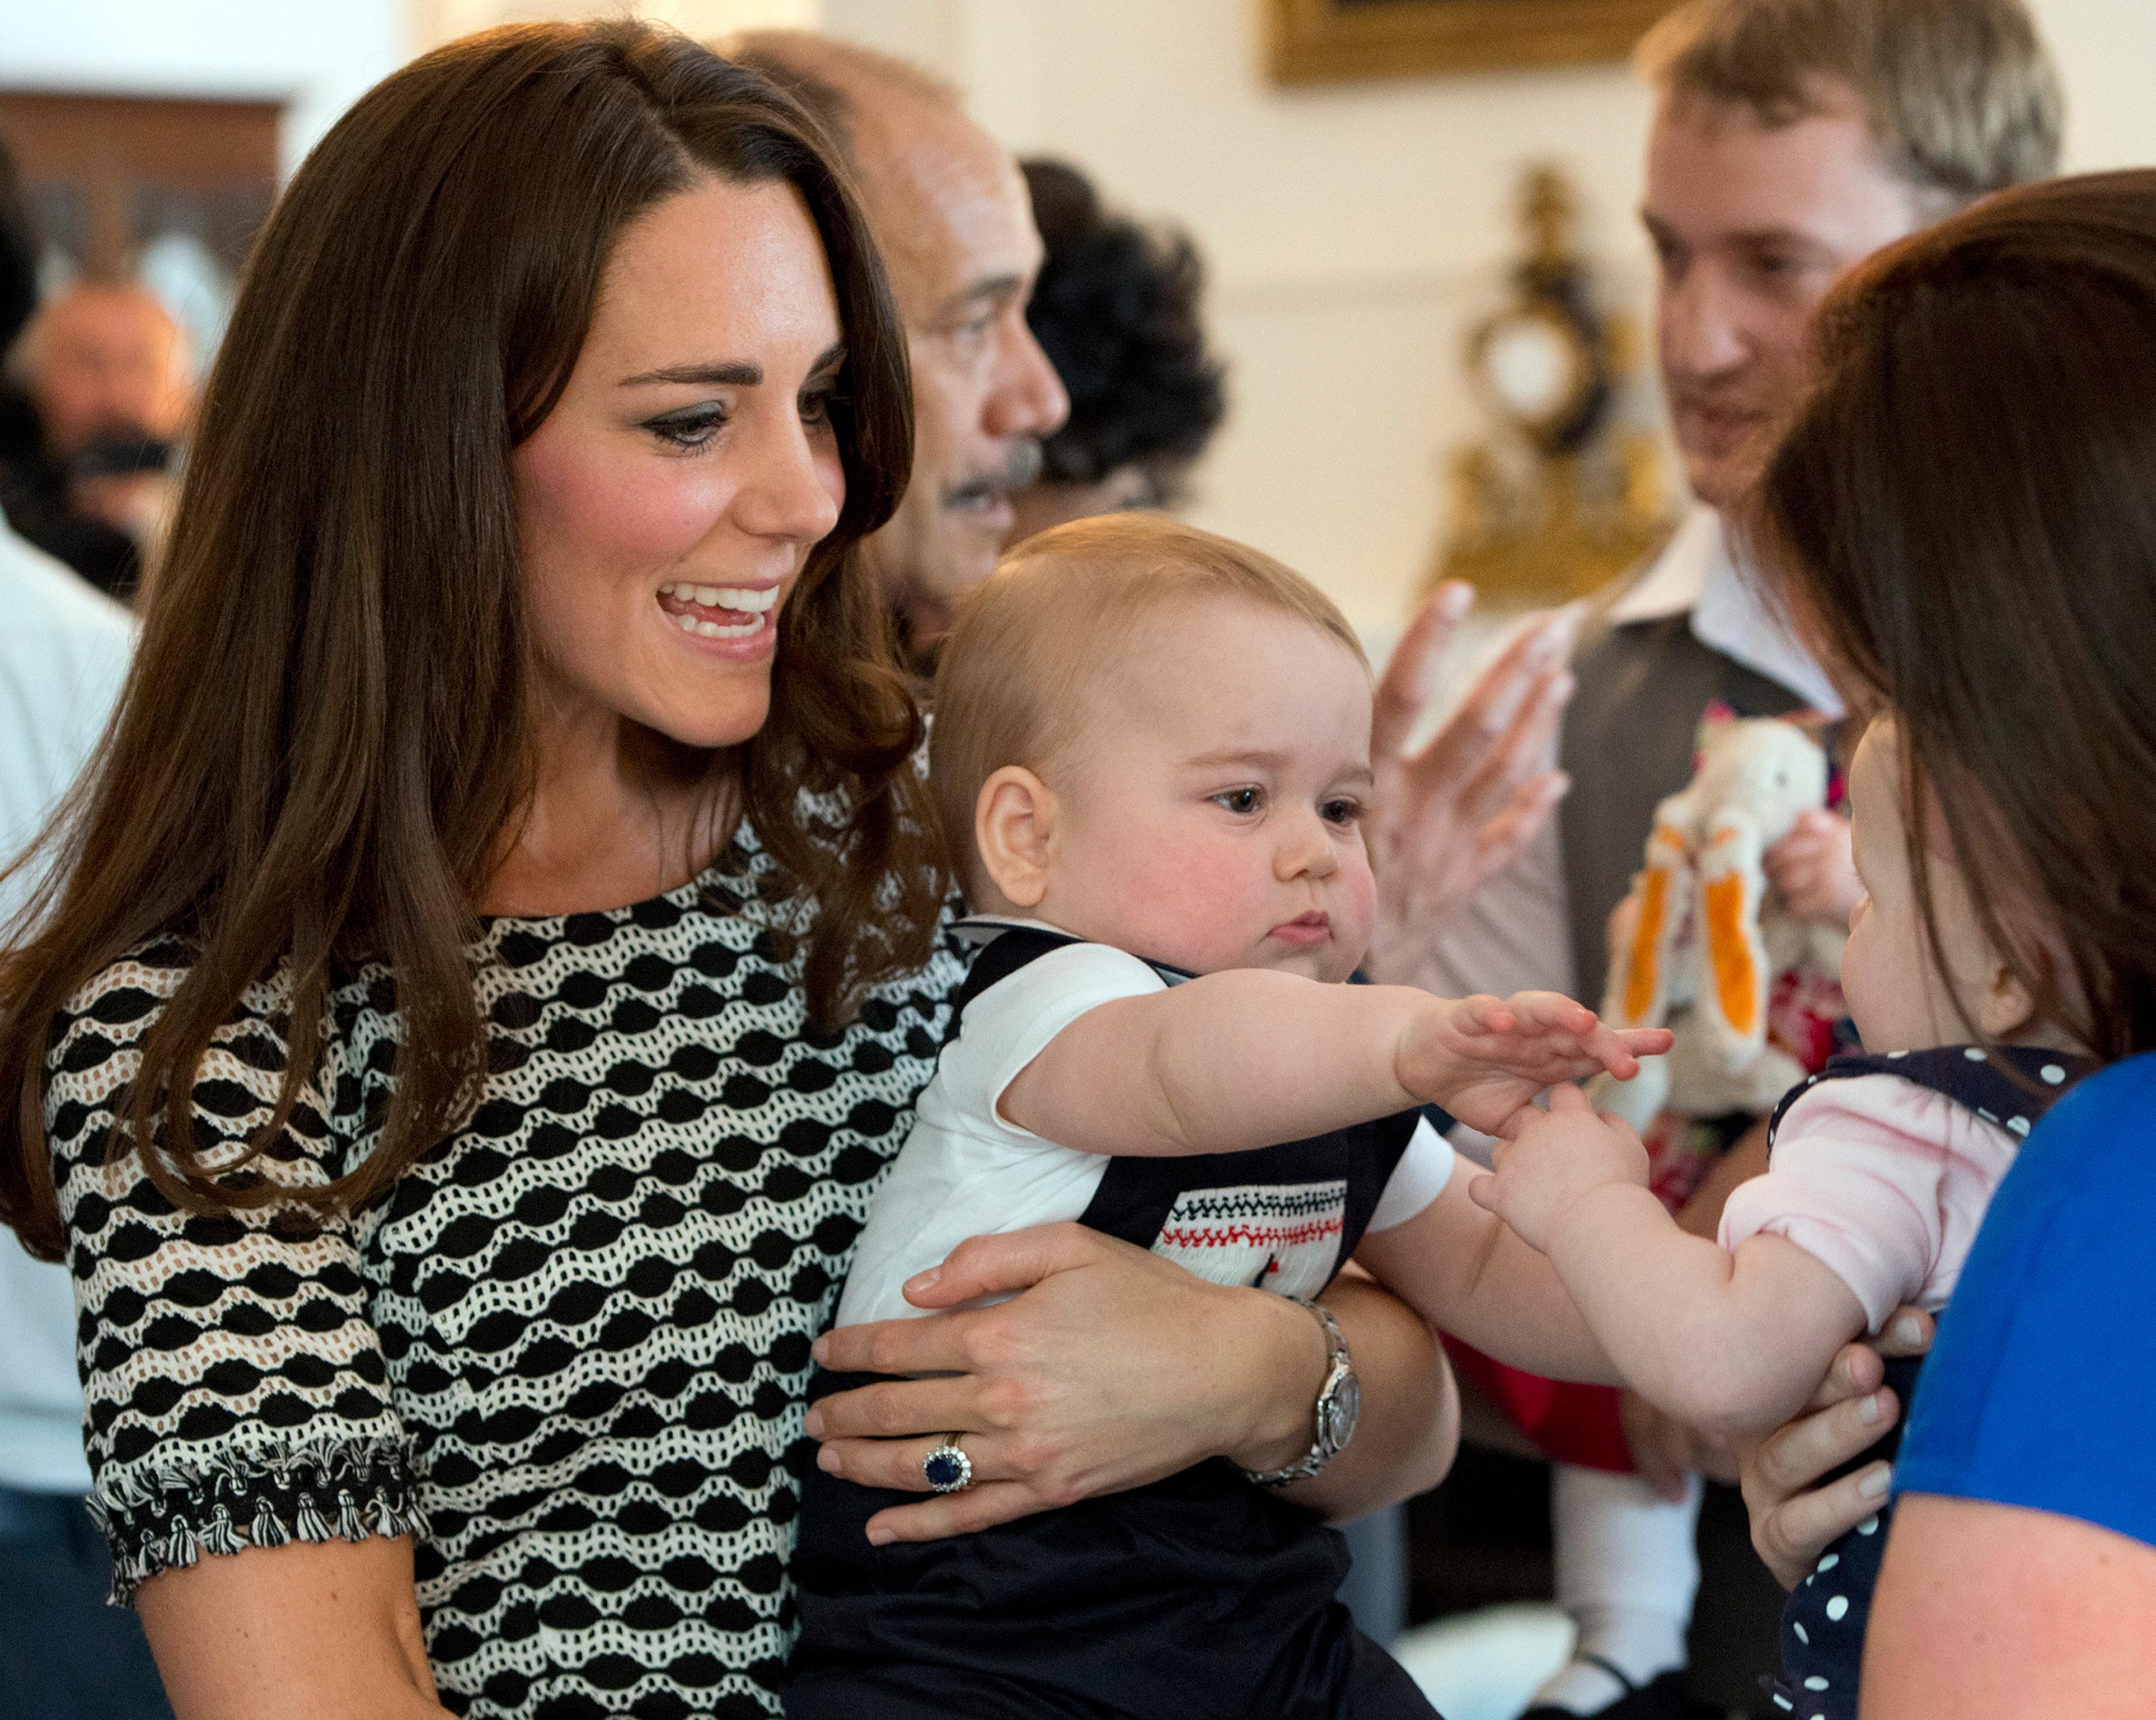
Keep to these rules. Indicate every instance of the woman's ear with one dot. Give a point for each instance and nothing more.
(1014, 829)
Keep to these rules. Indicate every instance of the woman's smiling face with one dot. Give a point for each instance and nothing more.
(667, 504)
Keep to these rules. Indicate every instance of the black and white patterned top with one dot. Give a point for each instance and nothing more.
(567, 1351)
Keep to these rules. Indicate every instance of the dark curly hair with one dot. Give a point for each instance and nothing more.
(1115, 310)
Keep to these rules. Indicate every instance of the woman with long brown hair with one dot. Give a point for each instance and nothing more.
(1965, 513)
(497, 947)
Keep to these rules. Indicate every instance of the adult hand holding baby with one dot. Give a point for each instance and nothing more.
(1550, 1160)
(1483, 1059)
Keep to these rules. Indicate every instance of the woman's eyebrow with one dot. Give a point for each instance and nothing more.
(714, 374)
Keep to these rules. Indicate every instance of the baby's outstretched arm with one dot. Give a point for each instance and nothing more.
(1731, 1340)
(1250, 1058)
(1470, 1275)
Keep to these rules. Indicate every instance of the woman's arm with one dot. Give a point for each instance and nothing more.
(330, 1631)
(1992, 1609)
(1112, 1368)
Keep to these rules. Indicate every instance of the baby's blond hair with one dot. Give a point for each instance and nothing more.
(1031, 645)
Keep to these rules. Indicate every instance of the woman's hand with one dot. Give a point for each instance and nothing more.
(1112, 1368)
(1554, 1158)
(1466, 804)
(1483, 1060)
(1793, 1519)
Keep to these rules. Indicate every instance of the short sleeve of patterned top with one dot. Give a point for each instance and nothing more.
(567, 1352)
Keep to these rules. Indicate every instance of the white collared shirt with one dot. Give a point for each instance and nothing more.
(64, 652)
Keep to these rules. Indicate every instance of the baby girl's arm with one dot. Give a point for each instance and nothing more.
(1731, 1340)
(1250, 1058)
(1469, 1274)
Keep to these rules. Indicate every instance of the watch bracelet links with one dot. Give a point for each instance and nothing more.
(1337, 1363)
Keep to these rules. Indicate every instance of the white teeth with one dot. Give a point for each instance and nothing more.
(712, 629)
(687, 624)
(746, 600)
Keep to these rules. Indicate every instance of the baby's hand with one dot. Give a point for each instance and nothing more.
(1552, 1159)
(1814, 867)
(1482, 1060)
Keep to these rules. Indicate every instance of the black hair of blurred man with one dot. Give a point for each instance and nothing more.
(1116, 309)
(42, 488)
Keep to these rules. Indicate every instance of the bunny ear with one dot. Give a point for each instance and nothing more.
(1639, 988)
(1732, 1005)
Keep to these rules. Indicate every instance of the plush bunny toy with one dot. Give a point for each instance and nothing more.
(1703, 937)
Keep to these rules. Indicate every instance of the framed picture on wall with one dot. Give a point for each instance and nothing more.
(1327, 41)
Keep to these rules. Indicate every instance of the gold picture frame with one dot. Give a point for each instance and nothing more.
(1329, 41)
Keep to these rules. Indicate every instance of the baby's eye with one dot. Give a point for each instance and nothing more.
(1242, 801)
(1344, 810)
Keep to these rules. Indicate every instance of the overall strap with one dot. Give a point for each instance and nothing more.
(2010, 1085)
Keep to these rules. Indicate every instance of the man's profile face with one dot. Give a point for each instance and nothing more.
(952, 216)
(1752, 225)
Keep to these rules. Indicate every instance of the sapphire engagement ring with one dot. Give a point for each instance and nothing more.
(946, 1469)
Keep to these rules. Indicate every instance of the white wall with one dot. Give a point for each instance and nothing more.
(1355, 232)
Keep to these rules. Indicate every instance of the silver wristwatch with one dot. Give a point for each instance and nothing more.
(1339, 1407)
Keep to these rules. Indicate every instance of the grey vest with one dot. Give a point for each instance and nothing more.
(1628, 743)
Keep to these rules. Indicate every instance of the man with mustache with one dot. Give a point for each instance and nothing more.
(1791, 140)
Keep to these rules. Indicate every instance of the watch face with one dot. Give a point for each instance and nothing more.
(1343, 1411)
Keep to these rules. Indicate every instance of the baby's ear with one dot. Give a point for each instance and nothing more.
(1013, 829)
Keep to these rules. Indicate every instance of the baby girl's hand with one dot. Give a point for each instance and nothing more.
(1553, 1158)
(1814, 867)
(1482, 1060)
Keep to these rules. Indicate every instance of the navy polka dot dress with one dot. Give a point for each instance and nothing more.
(1823, 1624)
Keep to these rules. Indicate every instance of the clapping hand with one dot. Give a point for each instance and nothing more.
(1485, 1059)
(1551, 1158)
(1465, 803)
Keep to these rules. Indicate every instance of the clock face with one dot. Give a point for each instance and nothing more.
(1533, 365)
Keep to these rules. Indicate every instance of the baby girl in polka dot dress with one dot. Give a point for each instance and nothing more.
(1883, 1166)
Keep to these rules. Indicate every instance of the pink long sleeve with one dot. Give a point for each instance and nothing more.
(1883, 1181)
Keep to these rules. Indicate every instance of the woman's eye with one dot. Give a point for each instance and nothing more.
(688, 430)
(1242, 801)
(819, 407)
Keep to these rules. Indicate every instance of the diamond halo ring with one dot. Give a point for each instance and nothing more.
(946, 1469)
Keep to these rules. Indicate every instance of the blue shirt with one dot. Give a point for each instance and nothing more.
(2041, 1390)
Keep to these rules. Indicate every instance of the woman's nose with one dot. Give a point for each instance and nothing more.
(795, 489)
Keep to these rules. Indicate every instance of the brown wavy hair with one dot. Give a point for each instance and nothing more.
(315, 760)
(1964, 513)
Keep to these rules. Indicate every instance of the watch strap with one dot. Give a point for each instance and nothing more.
(1339, 1367)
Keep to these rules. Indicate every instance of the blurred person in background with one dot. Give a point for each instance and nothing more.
(109, 378)
(1791, 140)
(953, 218)
(64, 1655)
(1117, 310)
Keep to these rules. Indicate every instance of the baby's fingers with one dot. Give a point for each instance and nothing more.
(1486, 1016)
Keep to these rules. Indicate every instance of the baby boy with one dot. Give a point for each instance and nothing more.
(1151, 755)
